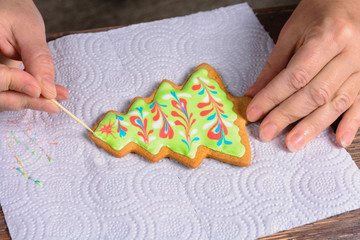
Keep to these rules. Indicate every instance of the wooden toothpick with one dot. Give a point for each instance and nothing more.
(72, 115)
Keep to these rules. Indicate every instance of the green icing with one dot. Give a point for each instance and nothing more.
(207, 120)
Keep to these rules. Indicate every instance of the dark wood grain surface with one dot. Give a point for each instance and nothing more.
(343, 226)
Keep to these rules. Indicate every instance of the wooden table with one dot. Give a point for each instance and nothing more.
(343, 226)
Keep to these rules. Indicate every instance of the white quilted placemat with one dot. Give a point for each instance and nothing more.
(87, 194)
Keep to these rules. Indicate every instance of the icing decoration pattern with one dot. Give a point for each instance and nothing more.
(187, 120)
(141, 123)
(166, 130)
(187, 123)
(108, 129)
(218, 130)
(120, 129)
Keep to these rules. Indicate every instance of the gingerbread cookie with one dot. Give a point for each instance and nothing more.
(187, 123)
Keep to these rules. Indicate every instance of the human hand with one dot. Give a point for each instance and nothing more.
(312, 75)
(22, 37)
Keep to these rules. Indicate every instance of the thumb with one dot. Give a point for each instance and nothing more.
(37, 59)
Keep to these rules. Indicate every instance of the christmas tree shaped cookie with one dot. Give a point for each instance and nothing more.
(187, 123)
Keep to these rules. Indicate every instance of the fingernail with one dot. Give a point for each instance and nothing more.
(254, 114)
(296, 142)
(31, 90)
(268, 132)
(49, 86)
(62, 96)
(345, 139)
(50, 108)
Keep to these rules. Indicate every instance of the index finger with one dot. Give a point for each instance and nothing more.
(37, 59)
